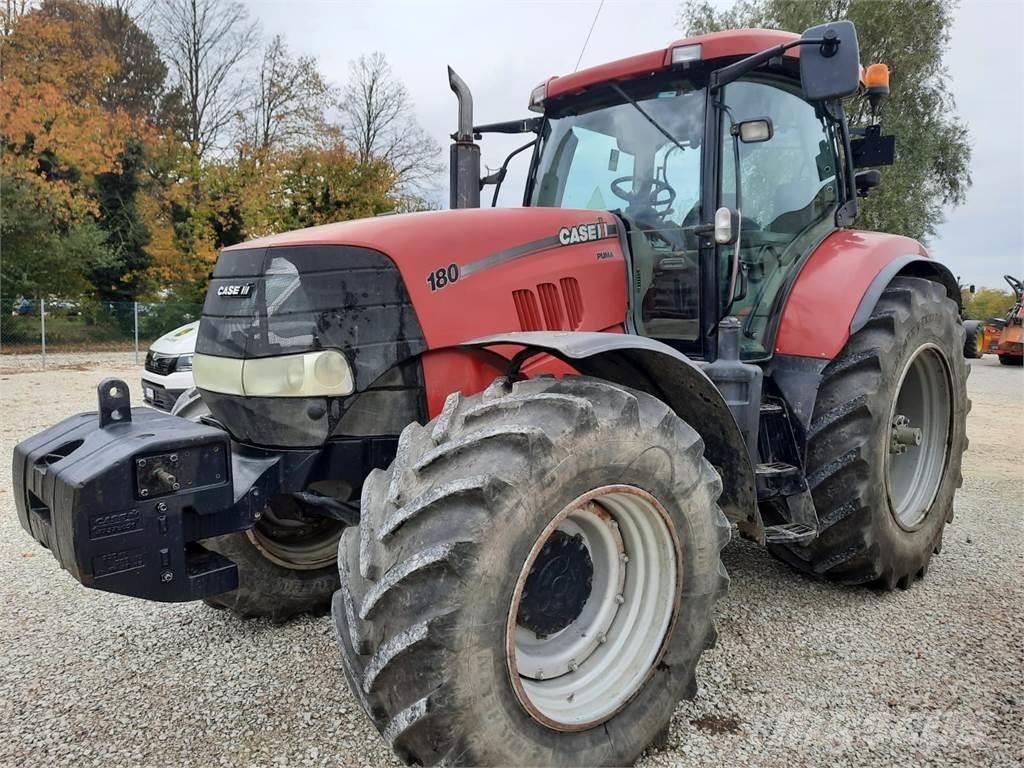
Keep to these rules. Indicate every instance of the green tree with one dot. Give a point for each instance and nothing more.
(986, 303)
(911, 36)
(117, 270)
(139, 87)
(39, 253)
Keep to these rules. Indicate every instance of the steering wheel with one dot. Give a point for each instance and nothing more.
(660, 196)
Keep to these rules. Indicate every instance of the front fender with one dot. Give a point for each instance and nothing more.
(660, 370)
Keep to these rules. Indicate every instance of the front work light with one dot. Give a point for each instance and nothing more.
(537, 98)
(310, 374)
(686, 54)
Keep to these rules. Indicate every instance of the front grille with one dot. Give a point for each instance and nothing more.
(164, 399)
(161, 364)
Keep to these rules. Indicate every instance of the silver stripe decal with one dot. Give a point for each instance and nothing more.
(510, 254)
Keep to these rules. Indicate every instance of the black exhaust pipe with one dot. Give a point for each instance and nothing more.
(465, 153)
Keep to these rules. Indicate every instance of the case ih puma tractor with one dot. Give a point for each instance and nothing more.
(507, 445)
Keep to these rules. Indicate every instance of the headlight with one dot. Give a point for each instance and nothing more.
(184, 363)
(311, 374)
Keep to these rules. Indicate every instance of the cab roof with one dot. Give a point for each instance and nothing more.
(716, 45)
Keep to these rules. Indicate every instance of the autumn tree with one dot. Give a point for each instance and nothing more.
(85, 84)
(380, 124)
(206, 43)
(56, 137)
(289, 101)
(933, 151)
(10, 12)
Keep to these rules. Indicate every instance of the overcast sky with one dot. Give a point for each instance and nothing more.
(504, 49)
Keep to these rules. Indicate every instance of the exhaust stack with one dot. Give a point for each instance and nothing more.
(465, 153)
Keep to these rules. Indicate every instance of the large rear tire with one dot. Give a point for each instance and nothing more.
(533, 579)
(286, 563)
(882, 500)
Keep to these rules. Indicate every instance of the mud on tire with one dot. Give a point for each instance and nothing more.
(428, 578)
(860, 539)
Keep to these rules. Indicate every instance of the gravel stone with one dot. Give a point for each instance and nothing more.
(21, 363)
(804, 673)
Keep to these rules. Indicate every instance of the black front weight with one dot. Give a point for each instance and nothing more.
(121, 497)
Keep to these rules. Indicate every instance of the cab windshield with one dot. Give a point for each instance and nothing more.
(611, 157)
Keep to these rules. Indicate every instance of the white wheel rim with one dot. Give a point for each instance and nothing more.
(922, 400)
(582, 675)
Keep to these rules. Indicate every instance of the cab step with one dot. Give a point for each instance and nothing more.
(789, 533)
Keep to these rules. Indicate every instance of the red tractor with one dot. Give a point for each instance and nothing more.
(508, 445)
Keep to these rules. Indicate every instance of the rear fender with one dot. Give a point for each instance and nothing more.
(660, 370)
(840, 284)
(904, 266)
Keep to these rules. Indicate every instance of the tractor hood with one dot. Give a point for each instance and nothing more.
(436, 252)
(355, 304)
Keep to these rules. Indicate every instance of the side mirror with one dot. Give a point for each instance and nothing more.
(971, 290)
(754, 131)
(727, 225)
(830, 69)
(866, 180)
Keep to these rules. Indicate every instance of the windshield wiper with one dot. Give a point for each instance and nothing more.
(618, 89)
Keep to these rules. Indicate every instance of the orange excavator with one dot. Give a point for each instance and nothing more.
(1003, 337)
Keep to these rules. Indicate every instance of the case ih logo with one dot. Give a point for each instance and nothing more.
(235, 291)
(582, 233)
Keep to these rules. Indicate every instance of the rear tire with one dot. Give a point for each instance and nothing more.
(876, 524)
(1011, 360)
(973, 336)
(431, 577)
(265, 588)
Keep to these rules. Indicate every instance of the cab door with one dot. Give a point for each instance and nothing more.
(789, 192)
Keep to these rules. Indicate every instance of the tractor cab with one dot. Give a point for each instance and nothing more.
(723, 166)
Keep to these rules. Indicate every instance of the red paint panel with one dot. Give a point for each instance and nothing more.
(469, 371)
(717, 45)
(816, 318)
(466, 371)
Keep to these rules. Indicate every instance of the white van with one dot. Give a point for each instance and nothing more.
(169, 367)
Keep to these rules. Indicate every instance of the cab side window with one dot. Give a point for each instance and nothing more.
(790, 181)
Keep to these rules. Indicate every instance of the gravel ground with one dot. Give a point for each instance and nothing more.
(804, 673)
(21, 363)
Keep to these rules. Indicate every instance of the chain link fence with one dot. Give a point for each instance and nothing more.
(43, 328)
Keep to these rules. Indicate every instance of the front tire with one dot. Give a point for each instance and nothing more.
(882, 501)
(973, 339)
(283, 571)
(476, 564)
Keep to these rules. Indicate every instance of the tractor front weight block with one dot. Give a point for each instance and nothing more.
(122, 497)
